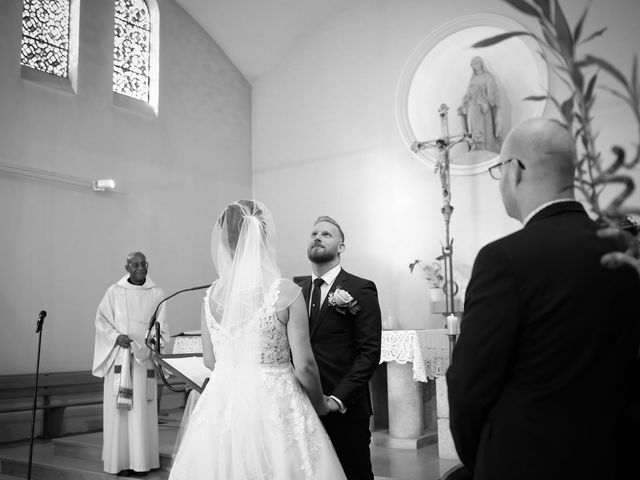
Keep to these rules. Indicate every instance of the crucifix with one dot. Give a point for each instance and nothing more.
(443, 145)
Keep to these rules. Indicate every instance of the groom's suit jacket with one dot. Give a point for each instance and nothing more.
(543, 366)
(346, 346)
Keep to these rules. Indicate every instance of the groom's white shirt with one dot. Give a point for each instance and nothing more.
(328, 278)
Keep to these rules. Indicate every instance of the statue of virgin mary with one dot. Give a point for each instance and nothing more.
(480, 109)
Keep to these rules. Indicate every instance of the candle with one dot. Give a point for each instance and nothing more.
(453, 326)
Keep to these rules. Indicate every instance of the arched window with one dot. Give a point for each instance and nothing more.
(45, 36)
(132, 38)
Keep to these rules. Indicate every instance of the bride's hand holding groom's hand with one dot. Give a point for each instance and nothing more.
(322, 408)
(329, 406)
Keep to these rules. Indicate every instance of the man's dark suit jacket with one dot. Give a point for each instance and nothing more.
(543, 366)
(347, 346)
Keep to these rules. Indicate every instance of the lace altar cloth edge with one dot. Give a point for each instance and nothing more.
(426, 350)
(190, 344)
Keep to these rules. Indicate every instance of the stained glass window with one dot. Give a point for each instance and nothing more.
(45, 36)
(131, 49)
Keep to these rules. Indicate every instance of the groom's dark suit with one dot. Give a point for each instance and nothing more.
(346, 347)
(541, 373)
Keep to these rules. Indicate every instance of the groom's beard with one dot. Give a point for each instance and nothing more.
(320, 255)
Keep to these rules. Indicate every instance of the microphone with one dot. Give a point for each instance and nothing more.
(41, 316)
(149, 341)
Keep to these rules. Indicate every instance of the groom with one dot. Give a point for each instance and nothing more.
(345, 330)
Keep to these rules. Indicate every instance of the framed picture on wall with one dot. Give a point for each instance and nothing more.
(483, 89)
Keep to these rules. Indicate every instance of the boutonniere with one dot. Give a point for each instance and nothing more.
(342, 301)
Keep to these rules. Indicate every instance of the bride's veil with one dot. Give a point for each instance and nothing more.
(243, 252)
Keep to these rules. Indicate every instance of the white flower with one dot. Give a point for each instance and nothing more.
(341, 298)
(342, 301)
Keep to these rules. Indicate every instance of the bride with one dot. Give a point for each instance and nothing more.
(257, 419)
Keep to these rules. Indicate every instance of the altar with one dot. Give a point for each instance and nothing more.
(426, 350)
(416, 362)
(187, 342)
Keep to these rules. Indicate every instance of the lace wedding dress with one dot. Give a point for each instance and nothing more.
(267, 430)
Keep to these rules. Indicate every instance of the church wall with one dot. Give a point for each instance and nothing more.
(326, 141)
(62, 246)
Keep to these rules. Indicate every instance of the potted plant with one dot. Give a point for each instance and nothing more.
(432, 273)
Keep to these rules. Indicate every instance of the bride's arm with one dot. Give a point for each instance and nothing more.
(208, 357)
(303, 361)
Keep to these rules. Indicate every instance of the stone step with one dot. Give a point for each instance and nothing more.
(46, 471)
(74, 447)
(383, 439)
(78, 457)
(9, 477)
(89, 446)
(171, 417)
(47, 466)
(18, 469)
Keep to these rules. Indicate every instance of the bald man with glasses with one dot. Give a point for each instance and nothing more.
(540, 377)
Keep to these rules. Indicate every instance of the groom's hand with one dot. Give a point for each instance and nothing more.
(332, 405)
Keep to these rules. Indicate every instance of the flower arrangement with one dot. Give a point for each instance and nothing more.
(432, 272)
(581, 74)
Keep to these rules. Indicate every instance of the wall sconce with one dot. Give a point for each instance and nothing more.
(103, 185)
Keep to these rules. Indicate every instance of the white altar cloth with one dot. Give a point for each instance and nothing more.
(427, 350)
(190, 343)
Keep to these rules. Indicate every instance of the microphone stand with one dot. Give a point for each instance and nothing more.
(153, 343)
(39, 325)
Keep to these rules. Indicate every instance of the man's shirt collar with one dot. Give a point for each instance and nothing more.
(543, 206)
(330, 276)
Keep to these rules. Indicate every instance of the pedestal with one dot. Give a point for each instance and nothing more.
(405, 402)
(409, 411)
(446, 448)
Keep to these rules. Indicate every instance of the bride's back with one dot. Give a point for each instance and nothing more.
(271, 322)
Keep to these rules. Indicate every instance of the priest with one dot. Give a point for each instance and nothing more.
(123, 360)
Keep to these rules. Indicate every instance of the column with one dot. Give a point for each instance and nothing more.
(446, 449)
(405, 402)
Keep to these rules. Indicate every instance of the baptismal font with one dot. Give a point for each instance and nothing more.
(443, 145)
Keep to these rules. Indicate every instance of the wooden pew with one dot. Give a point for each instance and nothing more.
(56, 393)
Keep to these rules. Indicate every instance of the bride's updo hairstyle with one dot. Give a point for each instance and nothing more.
(243, 251)
(234, 216)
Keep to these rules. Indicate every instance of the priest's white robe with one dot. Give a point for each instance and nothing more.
(130, 436)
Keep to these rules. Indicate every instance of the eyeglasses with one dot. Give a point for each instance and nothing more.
(496, 170)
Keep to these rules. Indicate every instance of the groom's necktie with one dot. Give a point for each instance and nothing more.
(315, 301)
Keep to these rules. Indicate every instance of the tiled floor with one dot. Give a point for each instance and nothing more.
(388, 463)
(422, 464)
